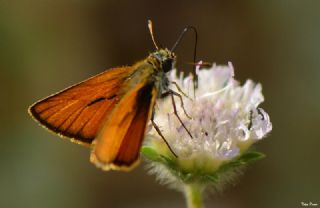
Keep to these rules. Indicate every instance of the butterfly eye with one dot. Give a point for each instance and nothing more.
(167, 65)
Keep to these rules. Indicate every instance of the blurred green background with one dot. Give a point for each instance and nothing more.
(47, 45)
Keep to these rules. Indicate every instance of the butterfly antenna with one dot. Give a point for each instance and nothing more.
(186, 29)
(151, 33)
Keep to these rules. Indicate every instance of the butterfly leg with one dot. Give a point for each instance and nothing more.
(172, 94)
(180, 90)
(181, 101)
(156, 127)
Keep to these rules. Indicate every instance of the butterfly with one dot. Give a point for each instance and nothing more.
(109, 112)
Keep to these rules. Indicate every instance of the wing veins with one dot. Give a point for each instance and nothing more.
(68, 105)
(63, 122)
(75, 118)
(84, 125)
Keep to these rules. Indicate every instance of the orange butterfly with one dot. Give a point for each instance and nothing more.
(109, 112)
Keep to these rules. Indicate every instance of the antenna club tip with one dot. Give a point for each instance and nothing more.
(151, 33)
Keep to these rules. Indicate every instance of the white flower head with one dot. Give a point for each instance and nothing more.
(225, 120)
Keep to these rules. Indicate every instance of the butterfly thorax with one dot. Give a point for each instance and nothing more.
(153, 69)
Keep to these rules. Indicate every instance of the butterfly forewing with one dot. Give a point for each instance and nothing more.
(79, 111)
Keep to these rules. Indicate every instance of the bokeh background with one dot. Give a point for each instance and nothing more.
(47, 45)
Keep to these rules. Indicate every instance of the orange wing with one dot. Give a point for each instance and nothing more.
(78, 112)
(117, 145)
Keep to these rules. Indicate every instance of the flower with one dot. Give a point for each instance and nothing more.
(223, 119)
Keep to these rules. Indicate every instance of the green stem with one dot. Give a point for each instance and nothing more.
(193, 194)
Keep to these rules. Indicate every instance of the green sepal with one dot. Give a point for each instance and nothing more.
(150, 153)
(214, 178)
(244, 159)
(250, 157)
(201, 176)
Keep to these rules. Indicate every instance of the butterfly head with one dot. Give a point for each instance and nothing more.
(165, 58)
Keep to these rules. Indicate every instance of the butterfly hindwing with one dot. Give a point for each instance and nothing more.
(117, 145)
